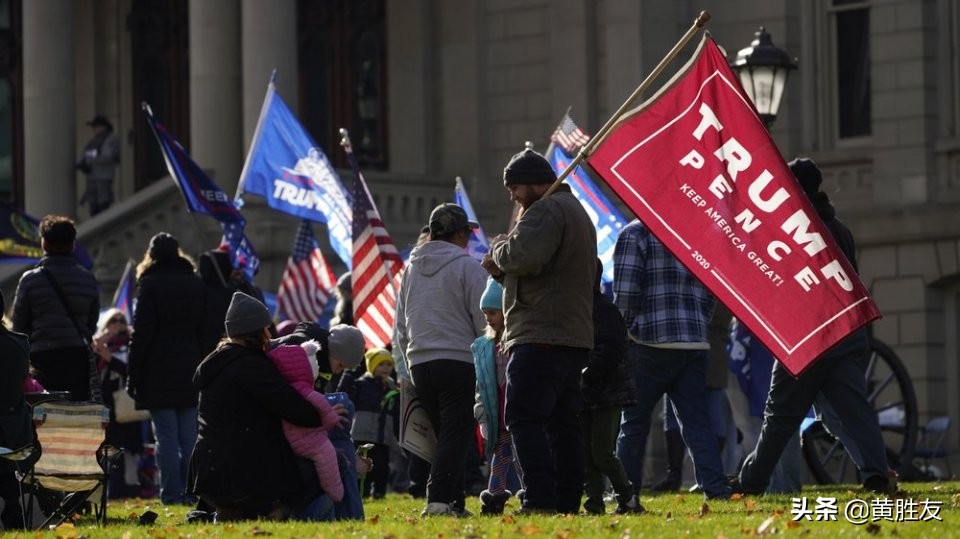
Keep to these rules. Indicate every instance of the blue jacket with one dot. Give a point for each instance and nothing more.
(486, 409)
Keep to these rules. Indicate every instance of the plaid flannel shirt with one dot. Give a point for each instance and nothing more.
(661, 301)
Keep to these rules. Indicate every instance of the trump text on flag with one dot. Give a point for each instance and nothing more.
(698, 167)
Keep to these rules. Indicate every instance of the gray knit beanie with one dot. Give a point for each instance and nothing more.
(346, 344)
(245, 315)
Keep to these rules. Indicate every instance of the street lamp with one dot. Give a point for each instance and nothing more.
(763, 70)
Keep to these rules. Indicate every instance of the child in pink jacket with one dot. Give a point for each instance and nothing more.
(298, 366)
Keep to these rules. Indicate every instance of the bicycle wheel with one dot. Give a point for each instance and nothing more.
(890, 391)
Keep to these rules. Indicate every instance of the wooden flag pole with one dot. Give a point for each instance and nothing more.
(585, 151)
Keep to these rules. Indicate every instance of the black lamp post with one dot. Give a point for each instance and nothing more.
(763, 70)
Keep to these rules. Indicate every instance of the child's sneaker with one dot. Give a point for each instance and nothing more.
(437, 509)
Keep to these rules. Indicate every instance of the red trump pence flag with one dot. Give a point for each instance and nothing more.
(698, 167)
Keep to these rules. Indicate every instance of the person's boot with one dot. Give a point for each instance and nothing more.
(492, 503)
(629, 505)
(676, 450)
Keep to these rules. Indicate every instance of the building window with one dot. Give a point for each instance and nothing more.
(341, 54)
(851, 38)
(161, 75)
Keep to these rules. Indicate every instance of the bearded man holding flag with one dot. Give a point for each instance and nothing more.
(547, 265)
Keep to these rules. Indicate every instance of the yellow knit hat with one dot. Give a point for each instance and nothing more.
(375, 357)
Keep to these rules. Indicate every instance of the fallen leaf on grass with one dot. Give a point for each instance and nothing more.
(258, 531)
(750, 505)
(873, 529)
(564, 534)
(704, 509)
(736, 496)
(375, 519)
(669, 515)
(529, 529)
(507, 519)
(793, 524)
(65, 531)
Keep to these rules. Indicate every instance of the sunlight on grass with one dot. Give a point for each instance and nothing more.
(669, 515)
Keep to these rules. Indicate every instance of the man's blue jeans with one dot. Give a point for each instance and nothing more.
(176, 433)
(680, 374)
(542, 415)
(839, 376)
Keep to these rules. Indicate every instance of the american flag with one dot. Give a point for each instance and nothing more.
(376, 265)
(568, 136)
(307, 282)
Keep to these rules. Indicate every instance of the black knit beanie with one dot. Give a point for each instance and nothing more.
(528, 168)
(807, 173)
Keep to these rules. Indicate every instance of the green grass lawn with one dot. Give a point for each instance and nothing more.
(668, 515)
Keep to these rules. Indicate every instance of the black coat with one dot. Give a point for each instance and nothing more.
(167, 336)
(39, 314)
(242, 456)
(608, 379)
(16, 428)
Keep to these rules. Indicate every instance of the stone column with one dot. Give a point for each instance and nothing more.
(216, 122)
(269, 41)
(411, 90)
(48, 108)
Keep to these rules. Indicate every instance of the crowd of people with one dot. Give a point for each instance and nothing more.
(254, 420)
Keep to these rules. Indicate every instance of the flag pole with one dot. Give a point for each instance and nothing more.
(585, 151)
(267, 98)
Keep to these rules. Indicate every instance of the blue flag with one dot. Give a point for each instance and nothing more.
(477, 245)
(752, 364)
(605, 216)
(287, 168)
(20, 239)
(124, 296)
(199, 191)
(240, 249)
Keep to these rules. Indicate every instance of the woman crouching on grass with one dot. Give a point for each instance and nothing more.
(242, 464)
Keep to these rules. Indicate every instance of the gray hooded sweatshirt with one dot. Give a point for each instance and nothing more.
(438, 308)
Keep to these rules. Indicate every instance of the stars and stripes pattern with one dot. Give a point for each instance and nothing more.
(308, 282)
(568, 136)
(376, 266)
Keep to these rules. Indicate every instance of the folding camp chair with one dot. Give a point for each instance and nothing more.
(22, 461)
(932, 443)
(75, 462)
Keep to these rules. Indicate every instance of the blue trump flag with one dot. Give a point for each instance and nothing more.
(605, 216)
(202, 195)
(199, 191)
(477, 245)
(20, 239)
(287, 168)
